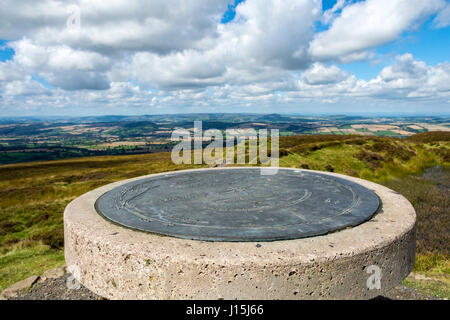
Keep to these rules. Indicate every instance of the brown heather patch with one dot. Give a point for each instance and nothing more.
(295, 141)
(374, 160)
(392, 149)
(444, 153)
(427, 137)
(431, 200)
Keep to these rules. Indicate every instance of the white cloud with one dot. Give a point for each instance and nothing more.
(25, 17)
(405, 68)
(365, 25)
(10, 71)
(321, 74)
(274, 32)
(407, 80)
(250, 49)
(27, 87)
(63, 66)
(60, 57)
(78, 80)
(442, 20)
(330, 14)
(180, 70)
(176, 54)
(110, 26)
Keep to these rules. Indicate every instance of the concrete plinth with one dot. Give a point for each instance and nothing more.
(356, 263)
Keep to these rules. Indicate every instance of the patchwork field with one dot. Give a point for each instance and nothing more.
(23, 140)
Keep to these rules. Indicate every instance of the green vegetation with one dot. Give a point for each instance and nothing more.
(32, 201)
(33, 195)
(372, 158)
(24, 140)
(429, 286)
(387, 134)
(26, 259)
(417, 167)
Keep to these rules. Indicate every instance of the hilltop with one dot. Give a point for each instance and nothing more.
(33, 195)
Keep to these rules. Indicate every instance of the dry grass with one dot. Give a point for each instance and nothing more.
(432, 204)
(33, 197)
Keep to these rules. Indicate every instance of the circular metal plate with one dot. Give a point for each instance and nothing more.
(239, 204)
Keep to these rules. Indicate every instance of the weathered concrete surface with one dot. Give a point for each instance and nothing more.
(119, 263)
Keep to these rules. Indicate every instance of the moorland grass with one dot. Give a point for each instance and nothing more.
(32, 201)
(402, 165)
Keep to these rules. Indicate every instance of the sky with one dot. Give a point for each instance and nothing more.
(94, 57)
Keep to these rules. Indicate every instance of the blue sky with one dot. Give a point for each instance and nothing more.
(291, 56)
(231, 11)
(428, 44)
(5, 52)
